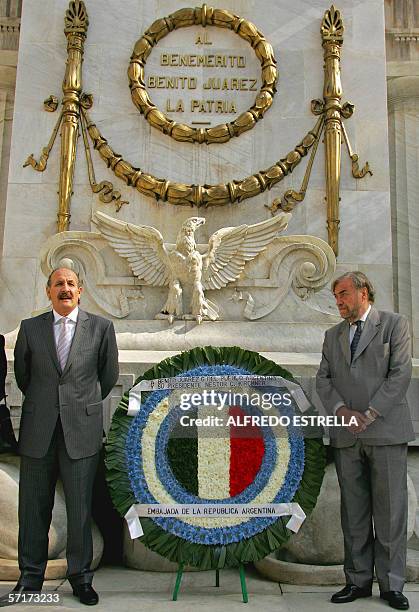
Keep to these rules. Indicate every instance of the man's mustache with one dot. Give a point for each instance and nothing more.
(63, 296)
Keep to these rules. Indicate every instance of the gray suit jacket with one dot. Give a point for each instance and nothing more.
(378, 376)
(74, 394)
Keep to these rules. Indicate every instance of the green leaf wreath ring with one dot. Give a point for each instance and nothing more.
(146, 463)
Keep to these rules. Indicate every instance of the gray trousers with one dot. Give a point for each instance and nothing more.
(37, 482)
(373, 484)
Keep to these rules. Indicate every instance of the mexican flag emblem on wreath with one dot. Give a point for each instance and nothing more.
(207, 493)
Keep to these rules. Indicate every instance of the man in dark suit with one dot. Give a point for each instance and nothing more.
(66, 363)
(7, 437)
(364, 373)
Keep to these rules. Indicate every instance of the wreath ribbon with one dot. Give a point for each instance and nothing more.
(293, 510)
(199, 382)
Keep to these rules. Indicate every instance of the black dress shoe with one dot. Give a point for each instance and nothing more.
(349, 593)
(15, 596)
(86, 594)
(396, 599)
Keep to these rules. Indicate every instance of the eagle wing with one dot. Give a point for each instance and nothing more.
(142, 245)
(231, 247)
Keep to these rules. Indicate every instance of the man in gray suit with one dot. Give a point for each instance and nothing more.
(66, 363)
(364, 373)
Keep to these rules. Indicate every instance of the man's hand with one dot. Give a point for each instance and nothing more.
(371, 415)
(361, 420)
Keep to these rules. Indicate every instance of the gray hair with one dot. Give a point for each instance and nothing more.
(79, 283)
(359, 280)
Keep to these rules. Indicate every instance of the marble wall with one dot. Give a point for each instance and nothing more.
(293, 30)
(402, 52)
(9, 41)
(403, 97)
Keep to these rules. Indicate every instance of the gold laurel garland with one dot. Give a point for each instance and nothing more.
(202, 16)
(200, 195)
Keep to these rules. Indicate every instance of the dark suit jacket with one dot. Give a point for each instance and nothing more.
(3, 369)
(378, 376)
(75, 394)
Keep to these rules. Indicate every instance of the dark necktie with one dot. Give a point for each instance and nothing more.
(355, 339)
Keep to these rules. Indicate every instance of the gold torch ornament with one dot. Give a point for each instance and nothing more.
(76, 24)
(332, 39)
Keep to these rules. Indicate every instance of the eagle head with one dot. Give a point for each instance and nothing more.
(191, 225)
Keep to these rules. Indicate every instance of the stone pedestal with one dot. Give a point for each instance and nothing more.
(315, 554)
(57, 564)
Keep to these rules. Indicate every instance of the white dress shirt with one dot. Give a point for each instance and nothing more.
(72, 318)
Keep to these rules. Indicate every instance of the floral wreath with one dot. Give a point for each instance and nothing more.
(148, 463)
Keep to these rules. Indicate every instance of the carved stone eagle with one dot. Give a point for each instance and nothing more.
(182, 266)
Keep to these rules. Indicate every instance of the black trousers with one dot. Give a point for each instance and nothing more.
(38, 478)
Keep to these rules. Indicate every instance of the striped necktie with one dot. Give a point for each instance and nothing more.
(64, 342)
(355, 339)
